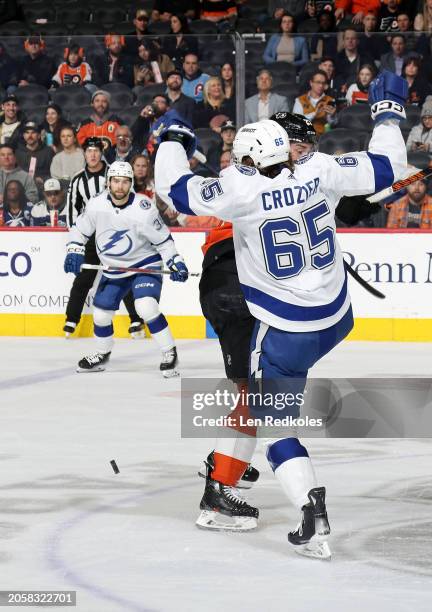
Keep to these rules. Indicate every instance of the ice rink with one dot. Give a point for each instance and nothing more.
(128, 542)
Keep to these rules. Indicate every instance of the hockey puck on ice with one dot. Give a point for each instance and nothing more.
(114, 466)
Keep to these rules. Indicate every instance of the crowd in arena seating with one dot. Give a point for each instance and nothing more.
(72, 70)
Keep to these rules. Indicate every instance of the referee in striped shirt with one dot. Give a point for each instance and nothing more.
(84, 185)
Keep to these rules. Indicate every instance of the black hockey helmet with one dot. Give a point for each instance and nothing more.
(93, 142)
(298, 128)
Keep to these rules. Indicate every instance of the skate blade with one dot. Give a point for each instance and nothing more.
(96, 369)
(316, 549)
(220, 522)
(240, 484)
(170, 373)
(67, 335)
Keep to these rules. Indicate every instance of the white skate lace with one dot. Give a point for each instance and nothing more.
(234, 495)
(168, 356)
(95, 357)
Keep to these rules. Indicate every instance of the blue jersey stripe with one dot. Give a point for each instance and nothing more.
(383, 171)
(179, 195)
(293, 312)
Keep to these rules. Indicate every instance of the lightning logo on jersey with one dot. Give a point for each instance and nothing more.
(118, 239)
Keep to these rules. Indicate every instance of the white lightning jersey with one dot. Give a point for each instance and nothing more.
(289, 263)
(133, 235)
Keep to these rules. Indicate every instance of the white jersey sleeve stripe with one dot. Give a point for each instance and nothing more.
(294, 312)
(383, 170)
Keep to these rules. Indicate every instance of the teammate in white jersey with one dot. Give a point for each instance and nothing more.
(129, 233)
(289, 263)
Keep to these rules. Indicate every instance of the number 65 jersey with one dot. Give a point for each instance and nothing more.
(289, 263)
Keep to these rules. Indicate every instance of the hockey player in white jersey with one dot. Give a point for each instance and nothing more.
(129, 233)
(289, 263)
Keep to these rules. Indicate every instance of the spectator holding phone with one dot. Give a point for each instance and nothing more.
(420, 137)
(316, 105)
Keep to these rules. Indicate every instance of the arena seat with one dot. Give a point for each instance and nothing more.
(356, 117)
(159, 28)
(78, 114)
(203, 26)
(341, 140)
(32, 95)
(73, 14)
(109, 15)
(129, 115)
(14, 28)
(36, 113)
(309, 26)
(71, 96)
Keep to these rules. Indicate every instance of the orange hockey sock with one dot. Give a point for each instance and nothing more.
(228, 470)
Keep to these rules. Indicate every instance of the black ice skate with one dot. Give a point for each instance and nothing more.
(69, 328)
(136, 330)
(248, 479)
(169, 363)
(222, 508)
(310, 537)
(93, 363)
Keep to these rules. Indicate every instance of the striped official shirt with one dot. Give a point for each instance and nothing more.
(83, 186)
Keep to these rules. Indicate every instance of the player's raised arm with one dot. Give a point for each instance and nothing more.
(385, 161)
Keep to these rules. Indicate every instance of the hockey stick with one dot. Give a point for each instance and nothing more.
(362, 281)
(388, 191)
(136, 270)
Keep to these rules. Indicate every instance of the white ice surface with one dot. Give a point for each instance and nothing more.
(128, 541)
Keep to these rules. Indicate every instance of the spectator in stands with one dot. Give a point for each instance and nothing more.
(9, 71)
(36, 67)
(152, 66)
(222, 12)
(11, 119)
(124, 149)
(9, 171)
(33, 156)
(16, 207)
(146, 128)
(327, 65)
(423, 19)
(214, 103)
(412, 210)
(194, 79)
(420, 137)
(70, 158)
(358, 8)
(164, 9)
(114, 66)
(405, 27)
(133, 39)
(369, 43)
(394, 59)
(179, 43)
(324, 42)
(265, 103)
(184, 105)
(349, 60)
(51, 126)
(358, 91)
(418, 86)
(51, 211)
(143, 176)
(101, 123)
(228, 132)
(388, 15)
(227, 75)
(316, 105)
(276, 8)
(74, 70)
(285, 47)
(225, 160)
